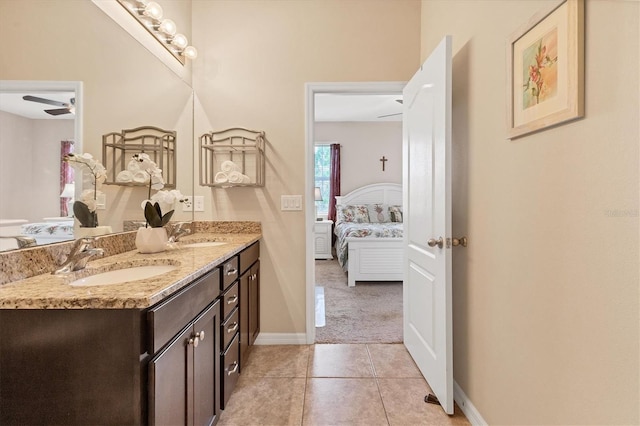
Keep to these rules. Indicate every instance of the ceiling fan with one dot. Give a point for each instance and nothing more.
(391, 115)
(67, 108)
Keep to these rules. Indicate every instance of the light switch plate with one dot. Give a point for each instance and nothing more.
(198, 203)
(290, 202)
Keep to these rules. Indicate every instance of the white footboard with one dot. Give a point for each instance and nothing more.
(374, 259)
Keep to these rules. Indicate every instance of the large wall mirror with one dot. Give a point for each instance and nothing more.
(121, 85)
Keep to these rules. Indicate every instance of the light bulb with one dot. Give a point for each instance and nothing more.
(153, 10)
(190, 52)
(168, 27)
(179, 41)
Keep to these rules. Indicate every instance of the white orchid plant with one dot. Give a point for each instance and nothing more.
(85, 209)
(162, 199)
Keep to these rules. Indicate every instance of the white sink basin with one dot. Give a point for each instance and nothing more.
(123, 275)
(206, 244)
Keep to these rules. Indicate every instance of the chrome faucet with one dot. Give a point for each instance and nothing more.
(80, 253)
(23, 242)
(177, 231)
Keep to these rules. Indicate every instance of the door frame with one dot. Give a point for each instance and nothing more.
(311, 89)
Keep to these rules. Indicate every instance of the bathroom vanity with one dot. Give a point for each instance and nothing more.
(161, 350)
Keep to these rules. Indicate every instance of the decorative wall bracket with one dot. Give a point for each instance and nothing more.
(232, 157)
(119, 147)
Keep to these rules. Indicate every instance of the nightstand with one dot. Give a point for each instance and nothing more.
(322, 239)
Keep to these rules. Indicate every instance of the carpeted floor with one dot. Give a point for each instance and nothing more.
(370, 312)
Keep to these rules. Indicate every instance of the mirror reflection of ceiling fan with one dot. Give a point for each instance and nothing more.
(392, 115)
(66, 108)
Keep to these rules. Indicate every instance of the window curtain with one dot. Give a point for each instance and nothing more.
(66, 174)
(334, 180)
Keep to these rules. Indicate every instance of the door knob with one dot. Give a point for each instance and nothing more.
(433, 242)
(462, 241)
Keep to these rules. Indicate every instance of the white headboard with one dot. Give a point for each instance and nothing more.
(377, 193)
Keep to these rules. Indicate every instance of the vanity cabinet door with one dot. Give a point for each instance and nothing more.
(184, 387)
(254, 303)
(206, 365)
(168, 382)
(249, 310)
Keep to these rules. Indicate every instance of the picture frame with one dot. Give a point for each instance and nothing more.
(545, 70)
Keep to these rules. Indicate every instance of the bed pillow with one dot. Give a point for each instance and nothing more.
(347, 213)
(395, 212)
(378, 213)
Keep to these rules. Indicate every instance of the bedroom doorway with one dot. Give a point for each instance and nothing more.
(350, 94)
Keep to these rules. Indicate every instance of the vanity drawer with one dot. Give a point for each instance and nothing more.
(167, 318)
(230, 328)
(230, 300)
(249, 256)
(230, 371)
(229, 272)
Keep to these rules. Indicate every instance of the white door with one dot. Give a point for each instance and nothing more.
(427, 216)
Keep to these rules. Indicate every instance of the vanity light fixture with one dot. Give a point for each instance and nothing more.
(168, 27)
(179, 41)
(149, 14)
(153, 10)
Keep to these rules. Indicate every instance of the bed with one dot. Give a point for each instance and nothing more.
(48, 232)
(369, 233)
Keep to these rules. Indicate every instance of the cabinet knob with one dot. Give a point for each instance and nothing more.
(196, 338)
(254, 276)
(233, 327)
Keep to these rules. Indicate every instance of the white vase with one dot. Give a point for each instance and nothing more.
(151, 240)
(82, 232)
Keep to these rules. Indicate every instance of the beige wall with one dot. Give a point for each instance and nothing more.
(254, 59)
(124, 85)
(30, 155)
(362, 144)
(546, 295)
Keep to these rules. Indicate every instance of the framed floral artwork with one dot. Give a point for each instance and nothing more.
(545, 70)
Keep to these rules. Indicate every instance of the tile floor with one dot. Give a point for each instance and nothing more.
(333, 384)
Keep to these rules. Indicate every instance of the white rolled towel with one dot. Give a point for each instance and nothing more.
(140, 177)
(235, 177)
(221, 177)
(229, 166)
(133, 166)
(124, 176)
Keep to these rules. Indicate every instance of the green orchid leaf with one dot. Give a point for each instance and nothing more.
(151, 214)
(86, 217)
(167, 217)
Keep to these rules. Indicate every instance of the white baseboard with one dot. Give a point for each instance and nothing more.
(281, 339)
(467, 407)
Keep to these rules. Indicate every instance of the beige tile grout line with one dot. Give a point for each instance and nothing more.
(306, 382)
(375, 376)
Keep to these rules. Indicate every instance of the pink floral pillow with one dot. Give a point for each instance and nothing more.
(357, 214)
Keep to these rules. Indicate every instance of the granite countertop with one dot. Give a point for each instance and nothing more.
(48, 291)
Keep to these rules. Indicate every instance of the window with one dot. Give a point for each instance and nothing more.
(322, 160)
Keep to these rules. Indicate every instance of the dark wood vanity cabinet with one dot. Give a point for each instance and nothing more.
(114, 366)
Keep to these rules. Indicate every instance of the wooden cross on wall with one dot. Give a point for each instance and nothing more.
(383, 160)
